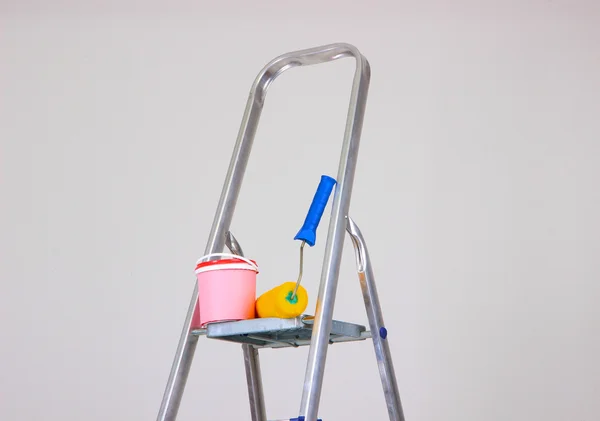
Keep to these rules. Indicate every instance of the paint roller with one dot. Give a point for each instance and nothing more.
(290, 299)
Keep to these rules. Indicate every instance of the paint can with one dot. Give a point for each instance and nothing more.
(226, 288)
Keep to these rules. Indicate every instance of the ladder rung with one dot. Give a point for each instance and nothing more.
(294, 419)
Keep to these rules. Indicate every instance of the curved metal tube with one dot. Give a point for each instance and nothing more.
(251, 117)
(337, 225)
(376, 324)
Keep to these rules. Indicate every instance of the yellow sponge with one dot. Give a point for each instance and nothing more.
(277, 302)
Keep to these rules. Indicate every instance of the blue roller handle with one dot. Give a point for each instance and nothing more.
(308, 232)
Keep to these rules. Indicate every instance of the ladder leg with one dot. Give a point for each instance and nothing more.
(378, 330)
(254, 380)
(251, 361)
(181, 366)
(317, 353)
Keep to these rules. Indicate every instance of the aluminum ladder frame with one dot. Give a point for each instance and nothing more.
(339, 224)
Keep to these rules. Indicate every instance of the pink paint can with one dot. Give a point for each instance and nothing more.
(226, 288)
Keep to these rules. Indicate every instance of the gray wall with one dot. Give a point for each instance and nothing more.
(476, 189)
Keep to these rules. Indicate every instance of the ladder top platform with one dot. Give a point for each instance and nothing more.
(280, 333)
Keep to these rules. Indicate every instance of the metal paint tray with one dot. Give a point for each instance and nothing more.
(280, 333)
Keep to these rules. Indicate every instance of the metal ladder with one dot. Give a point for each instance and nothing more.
(320, 330)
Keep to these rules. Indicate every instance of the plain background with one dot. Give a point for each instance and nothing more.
(476, 189)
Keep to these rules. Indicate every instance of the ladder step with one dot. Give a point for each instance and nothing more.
(294, 419)
(301, 418)
(280, 333)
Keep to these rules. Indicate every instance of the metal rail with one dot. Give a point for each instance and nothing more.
(376, 324)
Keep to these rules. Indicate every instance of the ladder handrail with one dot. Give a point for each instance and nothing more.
(251, 118)
(337, 225)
